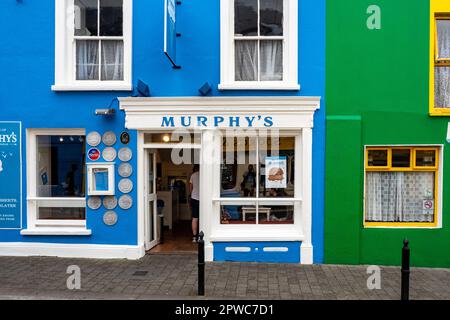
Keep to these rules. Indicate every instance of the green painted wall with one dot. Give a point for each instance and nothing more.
(377, 93)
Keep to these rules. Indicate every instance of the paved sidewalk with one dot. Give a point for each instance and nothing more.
(175, 276)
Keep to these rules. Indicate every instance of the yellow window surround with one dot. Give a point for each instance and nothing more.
(439, 10)
(413, 167)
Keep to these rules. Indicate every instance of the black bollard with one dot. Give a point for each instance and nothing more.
(405, 271)
(201, 264)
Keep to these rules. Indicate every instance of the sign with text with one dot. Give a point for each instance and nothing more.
(10, 175)
(170, 31)
(276, 172)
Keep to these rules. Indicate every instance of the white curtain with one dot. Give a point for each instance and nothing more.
(246, 60)
(87, 60)
(399, 196)
(271, 60)
(112, 60)
(442, 74)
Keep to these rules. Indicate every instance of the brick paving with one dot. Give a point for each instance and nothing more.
(175, 277)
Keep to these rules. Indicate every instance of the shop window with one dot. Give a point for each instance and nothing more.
(401, 186)
(440, 58)
(56, 177)
(259, 44)
(257, 173)
(96, 43)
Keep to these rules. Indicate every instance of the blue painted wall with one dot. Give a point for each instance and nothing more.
(27, 64)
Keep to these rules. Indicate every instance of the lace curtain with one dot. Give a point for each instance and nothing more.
(442, 74)
(87, 60)
(271, 61)
(399, 196)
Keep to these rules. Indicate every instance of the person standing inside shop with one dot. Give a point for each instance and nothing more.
(249, 182)
(194, 190)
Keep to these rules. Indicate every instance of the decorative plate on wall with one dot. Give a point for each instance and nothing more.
(94, 203)
(125, 154)
(125, 202)
(109, 154)
(109, 138)
(125, 170)
(110, 202)
(93, 138)
(110, 218)
(125, 185)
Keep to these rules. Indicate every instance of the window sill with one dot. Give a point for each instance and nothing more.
(259, 86)
(93, 87)
(49, 231)
(440, 112)
(402, 225)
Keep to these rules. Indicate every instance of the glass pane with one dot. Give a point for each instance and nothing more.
(271, 20)
(151, 174)
(111, 17)
(246, 60)
(238, 167)
(400, 197)
(276, 214)
(246, 17)
(87, 60)
(442, 87)
(377, 158)
(60, 166)
(271, 60)
(86, 17)
(276, 166)
(238, 214)
(425, 158)
(401, 158)
(443, 35)
(100, 179)
(112, 60)
(62, 213)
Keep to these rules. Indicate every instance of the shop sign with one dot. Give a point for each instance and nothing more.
(203, 121)
(10, 175)
(276, 168)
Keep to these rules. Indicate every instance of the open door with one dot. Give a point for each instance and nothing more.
(151, 225)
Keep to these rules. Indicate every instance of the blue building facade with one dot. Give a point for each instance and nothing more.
(273, 72)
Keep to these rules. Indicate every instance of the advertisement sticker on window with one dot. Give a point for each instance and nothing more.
(10, 175)
(276, 172)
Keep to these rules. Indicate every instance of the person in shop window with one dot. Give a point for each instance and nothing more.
(194, 191)
(249, 182)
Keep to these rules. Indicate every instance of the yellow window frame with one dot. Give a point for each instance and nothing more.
(439, 10)
(411, 168)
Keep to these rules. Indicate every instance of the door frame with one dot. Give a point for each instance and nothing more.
(148, 242)
(143, 149)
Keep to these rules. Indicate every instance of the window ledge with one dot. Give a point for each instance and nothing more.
(259, 86)
(265, 233)
(56, 232)
(440, 113)
(93, 87)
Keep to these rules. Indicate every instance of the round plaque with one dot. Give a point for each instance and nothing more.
(125, 170)
(94, 203)
(110, 202)
(109, 138)
(109, 154)
(125, 202)
(125, 137)
(110, 218)
(93, 154)
(125, 154)
(125, 185)
(93, 138)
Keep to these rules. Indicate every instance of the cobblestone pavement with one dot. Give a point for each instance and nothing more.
(175, 277)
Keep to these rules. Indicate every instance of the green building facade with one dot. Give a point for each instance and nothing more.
(378, 94)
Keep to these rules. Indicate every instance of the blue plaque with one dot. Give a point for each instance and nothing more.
(10, 175)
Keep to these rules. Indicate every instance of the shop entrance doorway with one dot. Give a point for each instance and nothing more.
(167, 191)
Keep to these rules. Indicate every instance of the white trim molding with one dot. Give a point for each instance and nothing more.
(290, 51)
(65, 61)
(93, 251)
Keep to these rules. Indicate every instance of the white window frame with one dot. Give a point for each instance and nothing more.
(290, 51)
(65, 67)
(111, 181)
(37, 226)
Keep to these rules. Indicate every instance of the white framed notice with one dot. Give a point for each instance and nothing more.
(276, 172)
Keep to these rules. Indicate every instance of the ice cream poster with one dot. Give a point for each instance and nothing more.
(10, 175)
(276, 173)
